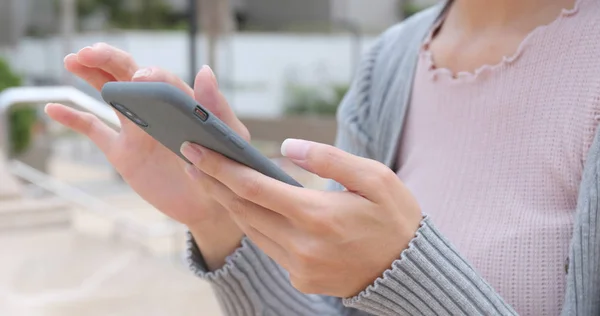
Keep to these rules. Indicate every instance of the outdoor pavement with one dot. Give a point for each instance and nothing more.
(64, 272)
(86, 269)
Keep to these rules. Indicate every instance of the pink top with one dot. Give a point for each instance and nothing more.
(496, 157)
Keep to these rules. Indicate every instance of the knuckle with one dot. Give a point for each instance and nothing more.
(382, 175)
(214, 166)
(238, 207)
(323, 223)
(251, 187)
(108, 51)
(102, 46)
(388, 177)
(128, 63)
(329, 158)
(332, 229)
(208, 184)
(117, 60)
(86, 75)
(156, 74)
(159, 74)
(318, 222)
(127, 58)
(89, 122)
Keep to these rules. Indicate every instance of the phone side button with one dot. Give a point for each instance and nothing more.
(219, 128)
(236, 141)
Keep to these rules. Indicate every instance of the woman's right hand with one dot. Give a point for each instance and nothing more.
(154, 172)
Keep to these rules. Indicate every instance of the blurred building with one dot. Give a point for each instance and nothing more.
(366, 15)
(35, 17)
(11, 22)
(21, 17)
(374, 15)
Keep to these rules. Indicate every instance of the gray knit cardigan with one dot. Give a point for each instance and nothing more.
(430, 277)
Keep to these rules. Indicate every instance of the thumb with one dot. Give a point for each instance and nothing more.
(206, 92)
(362, 176)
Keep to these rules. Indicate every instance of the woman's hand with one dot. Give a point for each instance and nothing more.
(155, 173)
(331, 243)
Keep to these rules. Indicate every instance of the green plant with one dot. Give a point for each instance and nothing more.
(20, 119)
(7, 77)
(308, 100)
(409, 8)
(150, 14)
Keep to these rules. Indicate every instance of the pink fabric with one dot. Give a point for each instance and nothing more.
(496, 157)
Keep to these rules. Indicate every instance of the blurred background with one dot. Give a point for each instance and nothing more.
(74, 239)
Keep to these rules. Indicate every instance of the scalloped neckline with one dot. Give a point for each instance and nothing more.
(505, 61)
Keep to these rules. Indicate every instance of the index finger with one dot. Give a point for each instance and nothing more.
(248, 183)
(110, 59)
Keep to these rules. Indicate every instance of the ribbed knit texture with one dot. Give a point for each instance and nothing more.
(495, 157)
(432, 277)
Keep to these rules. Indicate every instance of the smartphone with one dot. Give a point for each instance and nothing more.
(172, 117)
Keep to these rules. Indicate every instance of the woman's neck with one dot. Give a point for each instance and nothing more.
(480, 15)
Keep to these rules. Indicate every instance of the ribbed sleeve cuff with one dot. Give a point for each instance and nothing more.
(250, 283)
(430, 278)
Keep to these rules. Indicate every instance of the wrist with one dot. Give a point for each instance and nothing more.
(216, 239)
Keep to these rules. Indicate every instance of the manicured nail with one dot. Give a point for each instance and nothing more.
(191, 151)
(142, 73)
(212, 74)
(69, 55)
(296, 149)
(193, 172)
(81, 50)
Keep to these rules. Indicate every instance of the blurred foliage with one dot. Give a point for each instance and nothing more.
(308, 100)
(21, 119)
(410, 8)
(8, 78)
(149, 14)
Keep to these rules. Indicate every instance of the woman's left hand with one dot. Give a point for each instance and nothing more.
(331, 243)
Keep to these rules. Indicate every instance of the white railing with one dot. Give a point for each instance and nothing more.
(80, 100)
(63, 94)
(88, 201)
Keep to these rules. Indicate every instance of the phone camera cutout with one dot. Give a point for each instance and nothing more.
(201, 114)
(130, 115)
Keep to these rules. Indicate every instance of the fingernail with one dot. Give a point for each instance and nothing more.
(69, 55)
(191, 151)
(212, 74)
(296, 149)
(193, 172)
(81, 50)
(142, 73)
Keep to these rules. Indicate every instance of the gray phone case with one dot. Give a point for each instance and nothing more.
(172, 117)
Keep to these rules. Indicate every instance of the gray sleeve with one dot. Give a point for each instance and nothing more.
(251, 284)
(430, 278)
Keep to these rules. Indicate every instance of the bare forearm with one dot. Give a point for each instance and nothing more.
(216, 240)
